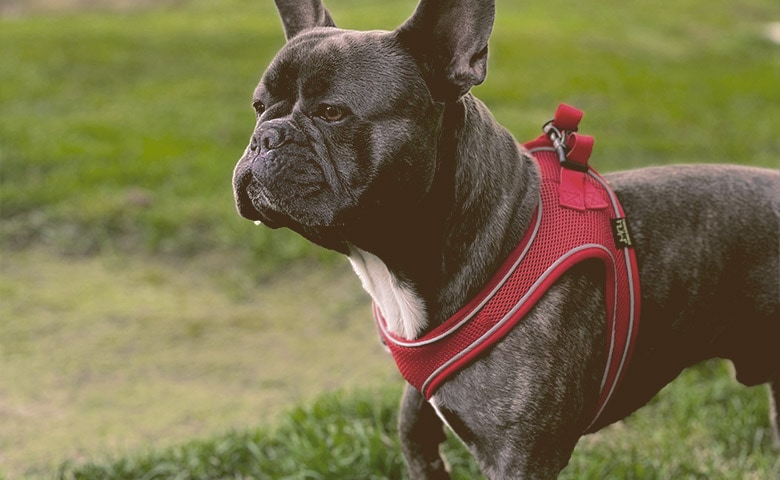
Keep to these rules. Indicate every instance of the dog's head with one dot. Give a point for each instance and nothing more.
(348, 122)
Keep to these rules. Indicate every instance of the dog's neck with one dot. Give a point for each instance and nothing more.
(424, 265)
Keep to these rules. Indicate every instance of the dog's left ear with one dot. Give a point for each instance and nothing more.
(300, 15)
(449, 40)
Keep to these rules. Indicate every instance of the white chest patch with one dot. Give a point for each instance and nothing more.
(403, 310)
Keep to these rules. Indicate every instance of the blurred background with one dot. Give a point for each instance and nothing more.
(139, 311)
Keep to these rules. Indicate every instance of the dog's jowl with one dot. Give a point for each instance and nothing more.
(371, 144)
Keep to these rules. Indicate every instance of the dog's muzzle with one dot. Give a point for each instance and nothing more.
(280, 178)
(255, 168)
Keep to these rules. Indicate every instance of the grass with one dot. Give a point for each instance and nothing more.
(138, 311)
(352, 436)
(111, 354)
(119, 131)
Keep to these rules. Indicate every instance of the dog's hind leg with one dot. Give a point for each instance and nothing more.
(774, 412)
(421, 432)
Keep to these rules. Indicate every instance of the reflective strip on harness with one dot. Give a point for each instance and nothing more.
(573, 222)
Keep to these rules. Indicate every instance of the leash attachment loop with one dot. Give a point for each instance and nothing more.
(573, 149)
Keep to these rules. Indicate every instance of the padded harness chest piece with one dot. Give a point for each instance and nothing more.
(578, 217)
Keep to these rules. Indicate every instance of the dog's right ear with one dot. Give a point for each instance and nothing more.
(449, 40)
(300, 15)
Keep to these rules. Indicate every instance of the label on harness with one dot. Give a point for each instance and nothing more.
(621, 233)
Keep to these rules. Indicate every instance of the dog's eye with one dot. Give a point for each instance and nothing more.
(259, 107)
(331, 113)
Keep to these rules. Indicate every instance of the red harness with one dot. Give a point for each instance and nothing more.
(578, 217)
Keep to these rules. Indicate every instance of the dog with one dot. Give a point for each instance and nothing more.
(371, 144)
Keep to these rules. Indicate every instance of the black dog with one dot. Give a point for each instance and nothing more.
(370, 144)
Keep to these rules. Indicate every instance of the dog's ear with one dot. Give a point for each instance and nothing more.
(449, 40)
(300, 15)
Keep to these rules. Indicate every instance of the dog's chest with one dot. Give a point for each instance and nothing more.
(403, 307)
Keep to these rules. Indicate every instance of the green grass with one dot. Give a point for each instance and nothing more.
(119, 132)
(113, 354)
(138, 311)
(688, 432)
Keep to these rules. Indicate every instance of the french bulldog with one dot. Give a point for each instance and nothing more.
(371, 144)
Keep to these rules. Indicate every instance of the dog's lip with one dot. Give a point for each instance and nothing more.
(268, 210)
(253, 199)
(245, 193)
(261, 202)
(274, 204)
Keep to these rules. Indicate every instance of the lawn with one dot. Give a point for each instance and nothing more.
(138, 312)
(351, 436)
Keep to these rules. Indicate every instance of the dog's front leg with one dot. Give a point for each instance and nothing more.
(421, 432)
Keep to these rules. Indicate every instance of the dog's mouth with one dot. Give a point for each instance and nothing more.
(252, 203)
(312, 220)
(303, 200)
(256, 203)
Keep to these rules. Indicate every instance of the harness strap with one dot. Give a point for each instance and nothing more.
(577, 218)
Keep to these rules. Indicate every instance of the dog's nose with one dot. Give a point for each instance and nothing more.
(268, 138)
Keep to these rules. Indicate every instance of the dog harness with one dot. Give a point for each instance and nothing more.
(578, 217)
